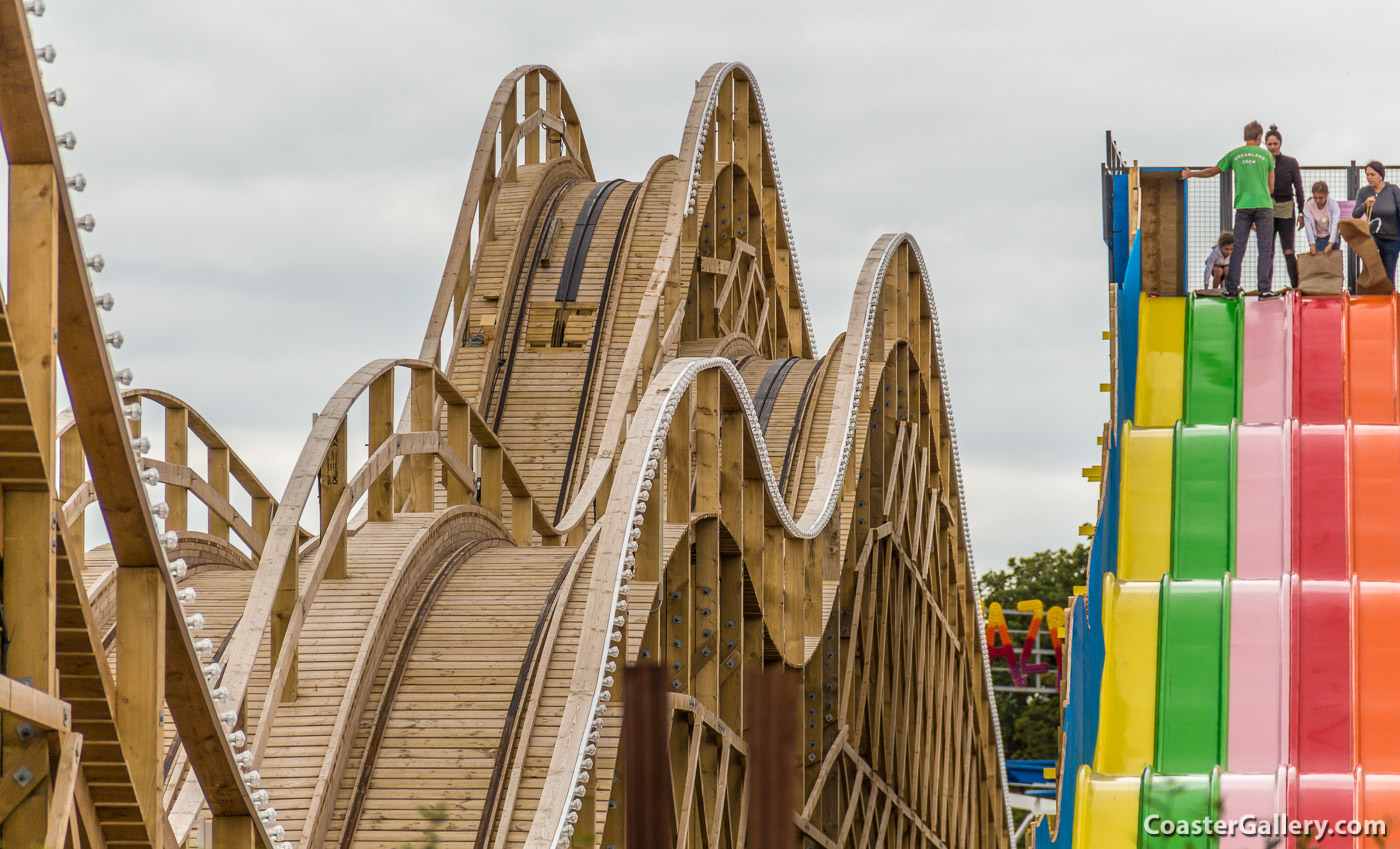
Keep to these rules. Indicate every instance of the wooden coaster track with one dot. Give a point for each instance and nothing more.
(617, 446)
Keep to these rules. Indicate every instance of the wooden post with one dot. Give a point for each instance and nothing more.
(773, 718)
(218, 480)
(232, 833)
(71, 474)
(69, 746)
(30, 575)
(177, 454)
(381, 425)
(282, 607)
(532, 105)
(421, 420)
(678, 463)
(490, 495)
(459, 440)
(646, 721)
(522, 515)
(33, 293)
(141, 606)
(262, 516)
(332, 486)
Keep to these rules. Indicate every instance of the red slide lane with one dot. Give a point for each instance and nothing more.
(1317, 361)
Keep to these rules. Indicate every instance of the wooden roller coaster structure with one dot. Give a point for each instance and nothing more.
(616, 446)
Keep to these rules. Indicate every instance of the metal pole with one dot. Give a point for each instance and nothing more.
(773, 764)
(1227, 203)
(1353, 186)
(646, 719)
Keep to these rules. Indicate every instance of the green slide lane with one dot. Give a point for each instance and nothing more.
(1211, 392)
(1203, 495)
(1192, 647)
(1177, 798)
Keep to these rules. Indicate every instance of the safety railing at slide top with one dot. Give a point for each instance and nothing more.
(1209, 210)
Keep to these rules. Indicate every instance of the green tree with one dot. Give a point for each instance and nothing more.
(1030, 723)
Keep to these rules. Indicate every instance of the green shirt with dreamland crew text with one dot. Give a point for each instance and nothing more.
(1251, 165)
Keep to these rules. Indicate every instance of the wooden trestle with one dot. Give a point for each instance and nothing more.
(619, 446)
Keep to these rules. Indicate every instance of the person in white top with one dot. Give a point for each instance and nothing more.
(1320, 217)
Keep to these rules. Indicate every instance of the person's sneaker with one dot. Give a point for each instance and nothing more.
(1269, 294)
(1211, 292)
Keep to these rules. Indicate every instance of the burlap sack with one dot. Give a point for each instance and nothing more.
(1319, 274)
(1372, 280)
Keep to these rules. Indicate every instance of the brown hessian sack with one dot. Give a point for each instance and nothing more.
(1319, 274)
(1372, 280)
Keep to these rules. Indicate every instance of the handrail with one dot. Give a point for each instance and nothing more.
(497, 473)
(214, 495)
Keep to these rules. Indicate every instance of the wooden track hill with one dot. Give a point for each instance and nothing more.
(618, 446)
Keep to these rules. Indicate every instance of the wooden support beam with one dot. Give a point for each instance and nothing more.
(532, 105)
(459, 440)
(262, 516)
(421, 420)
(64, 785)
(332, 486)
(282, 607)
(491, 482)
(231, 833)
(33, 293)
(29, 704)
(141, 611)
(30, 575)
(381, 425)
(24, 790)
(678, 463)
(177, 445)
(87, 814)
(71, 474)
(218, 479)
(522, 511)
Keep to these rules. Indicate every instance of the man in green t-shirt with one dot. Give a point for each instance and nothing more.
(1253, 167)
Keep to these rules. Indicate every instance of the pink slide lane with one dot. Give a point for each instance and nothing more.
(1268, 352)
(1263, 476)
(1261, 797)
(1259, 621)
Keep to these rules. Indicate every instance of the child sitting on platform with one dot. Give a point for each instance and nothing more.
(1218, 263)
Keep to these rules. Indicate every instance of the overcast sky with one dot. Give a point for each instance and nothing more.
(276, 183)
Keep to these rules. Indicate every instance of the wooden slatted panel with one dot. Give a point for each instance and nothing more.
(445, 723)
(330, 640)
(650, 217)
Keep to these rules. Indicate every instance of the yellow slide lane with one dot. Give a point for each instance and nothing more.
(1105, 811)
(1145, 504)
(1161, 360)
(1127, 701)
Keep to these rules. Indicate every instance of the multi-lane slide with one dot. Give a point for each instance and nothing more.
(1235, 655)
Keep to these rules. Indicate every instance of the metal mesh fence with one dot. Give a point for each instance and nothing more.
(1203, 227)
(1204, 223)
